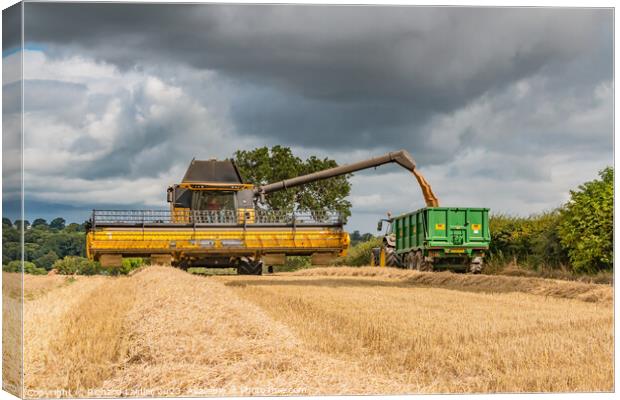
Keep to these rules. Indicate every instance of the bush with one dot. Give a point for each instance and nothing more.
(71, 265)
(29, 268)
(129, 264)
(359, 254)
(293, 263)
(586, 229)
(12, 266)
(533, 241)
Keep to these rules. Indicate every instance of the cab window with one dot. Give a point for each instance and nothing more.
(213, 200)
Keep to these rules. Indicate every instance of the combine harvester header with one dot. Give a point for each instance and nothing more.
(215, 221)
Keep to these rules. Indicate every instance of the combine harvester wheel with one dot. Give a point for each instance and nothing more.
(250, 267)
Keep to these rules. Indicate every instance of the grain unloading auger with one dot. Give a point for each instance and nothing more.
(215, 221)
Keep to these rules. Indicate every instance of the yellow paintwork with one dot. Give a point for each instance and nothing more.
(246, 214)
(245, 239)
(208, 241)
(180, 215)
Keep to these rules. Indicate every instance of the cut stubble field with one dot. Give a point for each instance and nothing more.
(338, 330)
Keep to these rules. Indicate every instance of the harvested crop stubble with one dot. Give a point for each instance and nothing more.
(165, 332)
(11, 332)
(191, 335)
(38, 285)
(428, 339)
(73, 336)
(588, 292)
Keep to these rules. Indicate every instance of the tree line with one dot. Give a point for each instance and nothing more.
(44, 243)
(54, 245)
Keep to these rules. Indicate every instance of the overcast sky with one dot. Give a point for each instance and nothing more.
(501, 108)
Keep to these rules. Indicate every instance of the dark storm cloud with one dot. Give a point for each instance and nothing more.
(431, 57)
(339, 72)
(308, 121)
(12, 27)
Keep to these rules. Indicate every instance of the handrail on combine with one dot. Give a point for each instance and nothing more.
(261, 217)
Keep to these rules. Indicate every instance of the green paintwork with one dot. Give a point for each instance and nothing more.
(444, 231)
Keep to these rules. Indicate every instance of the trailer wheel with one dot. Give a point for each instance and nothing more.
(410, 260)
(420, 263)
(475, 267)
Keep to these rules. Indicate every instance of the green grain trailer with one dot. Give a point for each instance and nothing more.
(437, 238)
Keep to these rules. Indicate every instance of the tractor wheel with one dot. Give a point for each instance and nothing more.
(391, 258)
(250, 267)
(410, 260)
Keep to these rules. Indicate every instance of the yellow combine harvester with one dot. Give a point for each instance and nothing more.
(215, 220)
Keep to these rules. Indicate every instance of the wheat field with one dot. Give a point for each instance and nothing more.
(164, 332)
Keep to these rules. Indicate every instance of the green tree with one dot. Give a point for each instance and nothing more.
(39, 222)
(263, 165)
(329, 194)
(66, 244)
(586, 228)
(9, 234)
(37, 235)
(367, 236)
(57, 223)
(6, 221)
(11, 251)
(31, 251)
(357, 237)
(19, 222)
(73, 227)
(47, 260)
